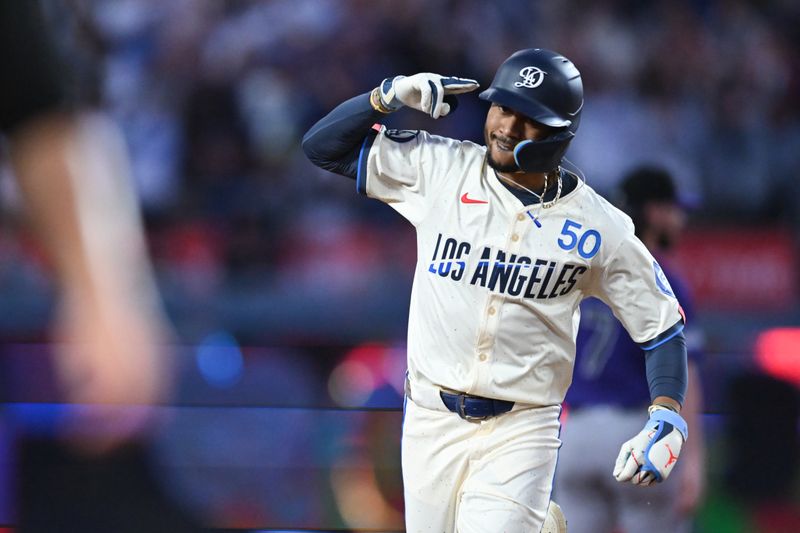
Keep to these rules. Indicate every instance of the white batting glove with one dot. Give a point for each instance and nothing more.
(650, 456)
(424, 92)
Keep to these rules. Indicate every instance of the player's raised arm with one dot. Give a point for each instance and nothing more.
(334, 143)
(338, 139)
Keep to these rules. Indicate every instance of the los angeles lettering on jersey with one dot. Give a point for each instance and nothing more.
(501, 272)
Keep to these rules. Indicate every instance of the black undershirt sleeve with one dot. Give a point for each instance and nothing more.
(666, 366)
(336, 141)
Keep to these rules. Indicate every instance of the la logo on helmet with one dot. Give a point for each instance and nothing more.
(532, 77)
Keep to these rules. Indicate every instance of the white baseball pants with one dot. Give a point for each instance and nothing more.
(478, 477)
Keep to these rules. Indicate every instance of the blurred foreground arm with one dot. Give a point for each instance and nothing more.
(73, 174)
(72, 169)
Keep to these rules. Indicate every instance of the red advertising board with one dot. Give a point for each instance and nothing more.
(739, 269)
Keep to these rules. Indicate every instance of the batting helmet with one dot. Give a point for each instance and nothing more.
(546, 87)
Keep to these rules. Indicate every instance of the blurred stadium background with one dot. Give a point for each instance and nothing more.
(290, 293)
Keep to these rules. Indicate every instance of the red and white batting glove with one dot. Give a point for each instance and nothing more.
(424, 92)
(651, 455)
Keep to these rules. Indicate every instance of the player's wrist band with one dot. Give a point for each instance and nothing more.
(657, 406)
(377, 103)
(671, 417)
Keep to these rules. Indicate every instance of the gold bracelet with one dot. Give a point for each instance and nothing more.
(376, 102)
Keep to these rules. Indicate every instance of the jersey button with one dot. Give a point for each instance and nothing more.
(483, 357)
(515, 237)
(520, 217)
(492, 310)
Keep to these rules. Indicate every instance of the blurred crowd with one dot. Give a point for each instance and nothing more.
(213, 97)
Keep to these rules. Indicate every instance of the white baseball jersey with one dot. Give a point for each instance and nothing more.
(494, 305)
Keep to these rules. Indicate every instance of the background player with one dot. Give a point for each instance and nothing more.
(606, 396)
(509, 243)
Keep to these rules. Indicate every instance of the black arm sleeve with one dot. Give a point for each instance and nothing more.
(31, 76)
(340, 139)
(667, 368)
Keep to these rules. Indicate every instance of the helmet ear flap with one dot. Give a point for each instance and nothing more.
(543, 155)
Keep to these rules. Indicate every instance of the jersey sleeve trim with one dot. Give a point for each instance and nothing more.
(663, 337)
(363, 154)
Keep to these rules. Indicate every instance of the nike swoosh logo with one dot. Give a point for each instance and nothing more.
(467, 200)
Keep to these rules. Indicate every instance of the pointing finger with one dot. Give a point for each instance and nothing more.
(454, 85)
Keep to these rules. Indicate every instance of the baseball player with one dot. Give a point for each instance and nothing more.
(508, 244)
(606, 397)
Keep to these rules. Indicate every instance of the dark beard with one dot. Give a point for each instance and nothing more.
(497, 166)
